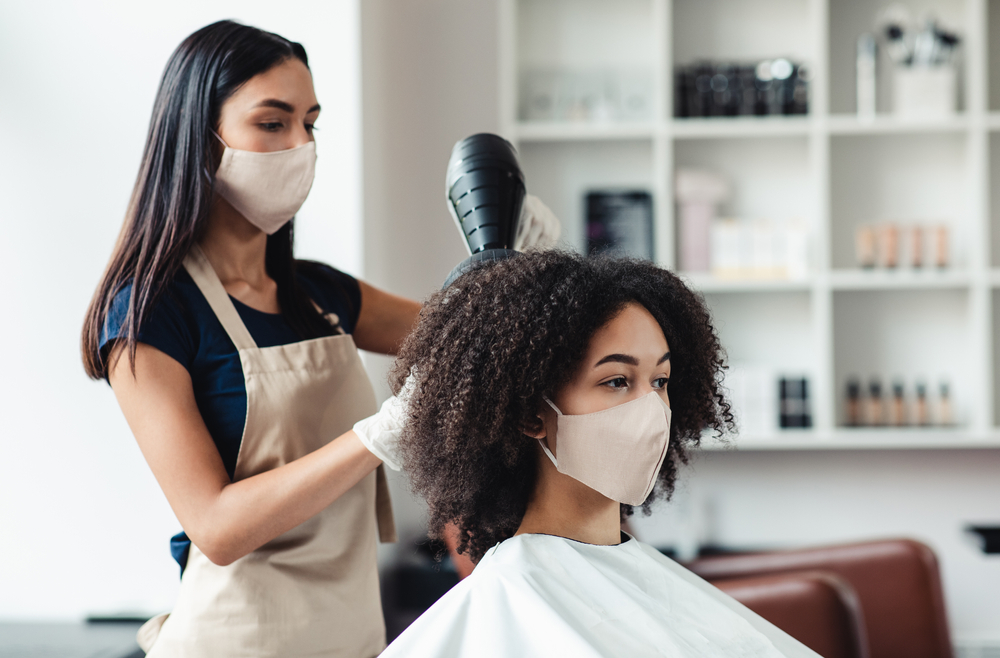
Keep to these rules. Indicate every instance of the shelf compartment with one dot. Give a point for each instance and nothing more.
(899, 279)
(769, 177)
(721, 127)
(706, 283)
(582, 131)
(905, 335)
(580, 58)
(907, 179)
(740, 31)
(849, 19)
(766, 327)
(562, 173)
(887, 124)
(766, 336)
(860, 439)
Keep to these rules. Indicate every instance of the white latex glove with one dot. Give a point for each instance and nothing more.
(380, 432)
(538, 227)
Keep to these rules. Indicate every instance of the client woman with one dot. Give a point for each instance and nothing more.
(539, 416)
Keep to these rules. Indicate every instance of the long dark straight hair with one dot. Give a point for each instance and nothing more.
(170, 203)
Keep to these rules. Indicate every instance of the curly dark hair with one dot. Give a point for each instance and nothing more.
(501, 336)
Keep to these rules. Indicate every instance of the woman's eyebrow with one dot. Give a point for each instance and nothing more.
(282, 105)
(618, 358)
(665, 357)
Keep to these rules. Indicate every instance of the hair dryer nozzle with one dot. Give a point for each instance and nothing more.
(477, 260)
(485, 189)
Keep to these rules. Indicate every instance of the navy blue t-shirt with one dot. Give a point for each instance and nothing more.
(183, 326)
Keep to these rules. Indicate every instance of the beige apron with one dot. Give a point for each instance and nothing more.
(314, 590)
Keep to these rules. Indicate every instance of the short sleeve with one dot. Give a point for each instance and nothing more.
(165, 327)
(334, 291)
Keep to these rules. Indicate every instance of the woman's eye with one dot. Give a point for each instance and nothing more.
(310, 127)
(661, 382)
(617, 382)
(271, 126)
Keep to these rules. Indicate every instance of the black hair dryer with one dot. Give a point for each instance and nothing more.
(485, 189)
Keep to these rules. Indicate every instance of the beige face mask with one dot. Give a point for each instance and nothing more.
(266, 188)
(617, 452)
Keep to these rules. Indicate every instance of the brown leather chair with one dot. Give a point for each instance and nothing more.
(897, 582)
(818, 609)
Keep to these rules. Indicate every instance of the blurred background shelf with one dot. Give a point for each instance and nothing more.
(554, 132)
(739, 127)
(889, 125)
(899, 279)
(709, 283)
(828, 170)
(860, 439)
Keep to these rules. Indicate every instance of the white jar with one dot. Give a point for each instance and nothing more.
(924, 92)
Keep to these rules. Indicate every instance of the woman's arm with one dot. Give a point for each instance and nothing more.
(385, 320)
(225, 520)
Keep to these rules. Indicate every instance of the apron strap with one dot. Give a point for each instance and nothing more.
(383, 508)
(197, 265)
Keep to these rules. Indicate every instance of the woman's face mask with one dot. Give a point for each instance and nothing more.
(267, 188)
(611, 427)
(617, 452)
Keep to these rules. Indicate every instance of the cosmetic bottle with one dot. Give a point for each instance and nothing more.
(941, 247)
(794, 402)
(922, 417)
(945, 415)
(853, 407)
(864, 246)
(897, 410)
(865, 72)
(876, 411)
(917, 247)
(888, 245)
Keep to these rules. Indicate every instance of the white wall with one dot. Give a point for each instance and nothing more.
(84, 526)
(429, 72)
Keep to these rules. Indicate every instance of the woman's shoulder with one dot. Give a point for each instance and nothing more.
(169, 324)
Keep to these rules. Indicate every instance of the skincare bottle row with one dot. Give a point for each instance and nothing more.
(890, 246)
(893, 407)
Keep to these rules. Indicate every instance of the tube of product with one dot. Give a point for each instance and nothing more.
(853, 410)
(898, 409)
(888, 245)
(922, 417)
(864, 246)
(865, 72)
(917, 247)
(876, 412)
(941, 247)
(945, 415)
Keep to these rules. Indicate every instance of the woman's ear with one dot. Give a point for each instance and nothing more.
(535, 428)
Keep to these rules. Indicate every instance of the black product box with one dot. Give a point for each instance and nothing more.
(620, 222)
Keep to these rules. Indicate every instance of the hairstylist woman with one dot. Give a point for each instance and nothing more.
(237, 368)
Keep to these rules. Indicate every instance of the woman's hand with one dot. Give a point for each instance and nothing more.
(538, 227)
(380, 432)
(225, 520)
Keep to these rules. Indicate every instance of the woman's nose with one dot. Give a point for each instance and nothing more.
(300, 137)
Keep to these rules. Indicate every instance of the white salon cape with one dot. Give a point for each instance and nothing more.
(541, 595)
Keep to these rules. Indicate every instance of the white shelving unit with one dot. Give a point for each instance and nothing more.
(827, 168)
